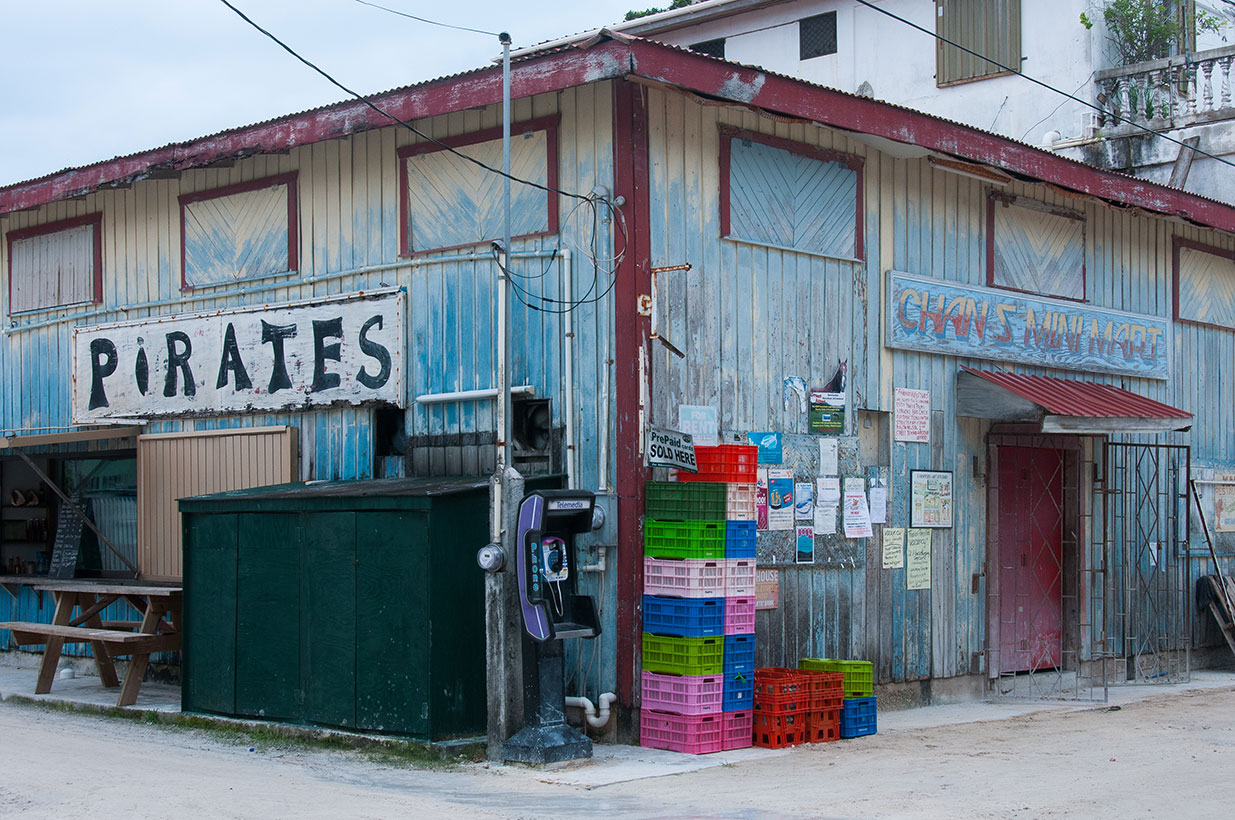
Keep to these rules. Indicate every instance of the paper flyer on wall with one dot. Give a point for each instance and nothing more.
(806, 544)
(918, 558)
(827, 490)
(855, 485)
(879, 505)
(804, 500)
(761, 498)
(825, 519)
(829, 456)
(780, 499)
(893, 547)
(857, 516)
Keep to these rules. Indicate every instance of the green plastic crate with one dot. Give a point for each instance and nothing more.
(684, 539)
(859, 675)
(683, 656)
(694, 501)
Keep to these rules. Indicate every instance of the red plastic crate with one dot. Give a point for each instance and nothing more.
(822, 725)
(692, 734)
(776, 680)
(827, 689)
(740, 615)
(683, 694)
(736, 463)
(778, 731)
(738, 731)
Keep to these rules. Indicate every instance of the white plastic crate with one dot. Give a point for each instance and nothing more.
(740, 502)
(739, 576)
(685, 578)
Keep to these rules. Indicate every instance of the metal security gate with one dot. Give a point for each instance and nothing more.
(1147, 607)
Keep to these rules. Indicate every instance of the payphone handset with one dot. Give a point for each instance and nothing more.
(548, 523)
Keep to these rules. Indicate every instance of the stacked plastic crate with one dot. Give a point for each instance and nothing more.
(795, 706)
(683, 618)
(735, 467)
(699, 605)
(857, 716)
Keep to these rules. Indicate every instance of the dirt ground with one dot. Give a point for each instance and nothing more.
(1166, 756)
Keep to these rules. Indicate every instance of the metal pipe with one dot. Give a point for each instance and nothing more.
(474, 395)
(503, 279)
(571, 392)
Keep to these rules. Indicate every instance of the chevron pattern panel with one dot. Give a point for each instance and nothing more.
(777, 197)
(454, 202)
(1206, 288)
(1038, 252)
(235, 237)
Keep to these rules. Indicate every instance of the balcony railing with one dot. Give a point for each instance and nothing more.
(1165, 94)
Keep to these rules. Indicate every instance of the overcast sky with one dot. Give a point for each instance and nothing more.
(94, 79)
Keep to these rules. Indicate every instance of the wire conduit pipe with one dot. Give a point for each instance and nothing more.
(596, 717)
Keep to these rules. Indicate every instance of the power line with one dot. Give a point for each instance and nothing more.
(426, 20)
(1048, 87)
(369, 103)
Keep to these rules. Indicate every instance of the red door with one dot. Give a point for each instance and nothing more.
(1030, 558)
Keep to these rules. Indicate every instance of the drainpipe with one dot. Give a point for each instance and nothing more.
(596, 718)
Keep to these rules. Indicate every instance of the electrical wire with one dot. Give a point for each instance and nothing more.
(370, 104)
(426, 20)
(1047, 86)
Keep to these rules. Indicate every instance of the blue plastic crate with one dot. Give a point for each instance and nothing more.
(740, 539)
(740, 655)
(857, 717)
(739, 692)
(683, 617)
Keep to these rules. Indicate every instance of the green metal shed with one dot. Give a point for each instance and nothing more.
(354, 604)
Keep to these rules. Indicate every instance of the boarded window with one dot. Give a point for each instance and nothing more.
(790, 195)
(171, 466)
(817, 36)
(450, 201)
(714, 48)
(239, 232)
(1204, 284)
(991, 28)
(57, 264)
(1034, 248)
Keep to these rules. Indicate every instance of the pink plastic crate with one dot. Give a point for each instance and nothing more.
(738, 730)
(692, 734)
(740, 577)
(740, 502)
(684, 577)
(740, 615)
(683, 694)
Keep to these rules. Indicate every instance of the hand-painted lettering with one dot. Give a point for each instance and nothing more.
(232, 362)
(103, 361)
(374, 350)
(324, 329)
(179, 351)
(274, 335)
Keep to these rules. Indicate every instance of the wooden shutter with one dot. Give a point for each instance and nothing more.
(1205, 283)
(992, 28)
(235, 234)
(172, 466)
(1036, 249)
(55, 265)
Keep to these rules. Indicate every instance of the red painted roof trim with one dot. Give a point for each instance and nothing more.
(608, 57)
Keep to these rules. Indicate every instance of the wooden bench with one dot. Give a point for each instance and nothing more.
(116, 641)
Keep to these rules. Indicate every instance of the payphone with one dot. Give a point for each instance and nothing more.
(553, 610)
(549, 520)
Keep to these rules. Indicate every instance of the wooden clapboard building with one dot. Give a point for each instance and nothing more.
(313, 298)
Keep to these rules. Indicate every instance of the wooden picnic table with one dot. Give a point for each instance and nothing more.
(157, 631)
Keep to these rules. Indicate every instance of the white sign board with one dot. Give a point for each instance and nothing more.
(669, 448)
(911, 414)
(340, 350)
(701, 422)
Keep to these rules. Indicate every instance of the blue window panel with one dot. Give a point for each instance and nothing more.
(453, 202)
(237, 236)
(781, 198)
(1206, 286)
(1037, 250)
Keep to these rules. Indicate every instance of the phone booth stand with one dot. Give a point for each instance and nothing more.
(552, 611)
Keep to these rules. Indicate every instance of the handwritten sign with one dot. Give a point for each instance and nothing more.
(918, 562)
(984, 323)
(911, 414)
(337, 350)
(67, 548)
(893, 547)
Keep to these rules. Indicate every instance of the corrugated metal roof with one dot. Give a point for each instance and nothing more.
(1068, 397)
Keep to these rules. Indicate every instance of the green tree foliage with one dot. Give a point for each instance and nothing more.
(1143, 30)
(676, 4)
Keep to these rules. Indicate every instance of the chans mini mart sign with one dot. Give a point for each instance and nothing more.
(345, 349)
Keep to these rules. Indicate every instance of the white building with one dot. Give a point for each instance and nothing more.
(888, 49)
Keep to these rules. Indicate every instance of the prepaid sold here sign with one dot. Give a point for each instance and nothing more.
(669, 448)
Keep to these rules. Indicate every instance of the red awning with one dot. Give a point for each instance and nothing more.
(1063, 405)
